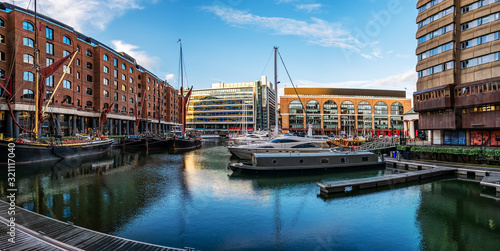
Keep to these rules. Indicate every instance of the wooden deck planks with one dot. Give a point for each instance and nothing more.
(64, 233)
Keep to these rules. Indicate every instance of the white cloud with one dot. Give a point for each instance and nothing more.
(309, 7)
(315, 31)
(84, 15)
(142, 58)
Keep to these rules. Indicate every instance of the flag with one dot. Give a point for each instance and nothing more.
(398, 132)
(416, 133)
(389, 133)
(378, 134)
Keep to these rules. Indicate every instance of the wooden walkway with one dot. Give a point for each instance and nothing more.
(381, 181)
(39, 232)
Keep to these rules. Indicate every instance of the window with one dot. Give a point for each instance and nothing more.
(106, 94)
(89, 78)
(68, 67)
(480, 21)
(131, 100)
(115, 84)
(2, 75)
(88, 53)
(428, 5)
(131, 71)
(105, 106)
(364, 159)
(66, 40)
(49, 33)
(28, 42)
(435, 51)
(67, 100)
(131, 80)
(28, 26)
(49, 61)
(105, 69)
(124, 99)
(124, 77)
(89, 91)
(115, 96)
(480, 40)
(77, 75)
(105, 57)
(49, 48)
(124, 67)
(77, 61)
(28, 59)
(66, 53)
(480, 60)
(48, 94)
(115, 73)
(28, 76)
(124, 109)
(124, 88)
(115, 62)
(89, 65)
(66, 84)
(89, 104)
(436, 69)
(397, 109)
(436, 17)
(131, 90)
(78, 88)
(78, 103)
(436, 33)
(2, 23)
(50, 81)
(105, 81)
(131, 110)
(381, 108)
(28, 94)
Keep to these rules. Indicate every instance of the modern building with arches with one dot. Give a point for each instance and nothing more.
(349, 111)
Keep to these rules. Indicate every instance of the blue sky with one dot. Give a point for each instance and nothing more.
(343, 44)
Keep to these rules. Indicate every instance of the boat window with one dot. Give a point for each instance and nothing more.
(325, 161)
(301, 161)
(343, 160)
(364, 159)
(266, 147)
(275, 162)
(307, 145)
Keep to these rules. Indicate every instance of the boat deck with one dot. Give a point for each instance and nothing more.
(35, 231)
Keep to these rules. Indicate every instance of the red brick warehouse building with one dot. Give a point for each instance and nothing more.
(97, 78)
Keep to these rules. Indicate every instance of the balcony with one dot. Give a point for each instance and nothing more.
(478, 120)
(437, 98)
(437, 120)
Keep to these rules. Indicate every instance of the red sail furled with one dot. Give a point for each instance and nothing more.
(104, 116)
(45, 72)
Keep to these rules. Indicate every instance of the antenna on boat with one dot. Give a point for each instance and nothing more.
(37, 71)
(275, 91)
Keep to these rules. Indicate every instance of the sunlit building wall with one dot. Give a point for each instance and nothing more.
(233, 107)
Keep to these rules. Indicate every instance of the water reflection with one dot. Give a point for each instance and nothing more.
(191, 199)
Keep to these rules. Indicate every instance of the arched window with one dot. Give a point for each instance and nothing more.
(28, 26)
(116, 96)
(89, 65)
(28, 59)
(124, 67)
(66, 40)
(2, 23)
(347, 107)
(28, 42)
(124, 99)
(131, 100)
(88, 104)
(295, 107)
(66, 84)
(106, 94)
(131, 110)
(105, 69)
(28, 94)
(2, 74)
(67, 99)
(313, 107)
(105, 57)
(88, 53)
(28, 76)
(105, 81)
(330, 121)
(2, 39)
(124, 109)
(364, 122)
(330, 107)
(89, 91)
(66, 53)
(397, 109)
(131, 70)
(381, 108)
(89, 78)
(106, 105)
(131, 90)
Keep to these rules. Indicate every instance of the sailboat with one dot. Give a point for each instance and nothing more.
(182, 141)
(36, 149)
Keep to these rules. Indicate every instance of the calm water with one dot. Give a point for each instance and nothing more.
(191, 199)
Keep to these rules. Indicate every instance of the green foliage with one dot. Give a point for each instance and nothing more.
(479, 152)
(403, 148)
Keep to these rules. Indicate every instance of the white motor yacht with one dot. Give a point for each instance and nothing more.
(250, 138)
(285, 144)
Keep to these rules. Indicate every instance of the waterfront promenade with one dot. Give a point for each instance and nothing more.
(38, 232)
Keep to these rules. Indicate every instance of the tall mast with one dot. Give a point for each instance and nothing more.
(37, 70)
(183, 105)
(276, 91)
